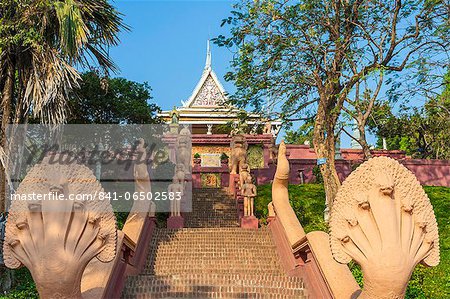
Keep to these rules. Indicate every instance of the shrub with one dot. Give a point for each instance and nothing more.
(317, 174)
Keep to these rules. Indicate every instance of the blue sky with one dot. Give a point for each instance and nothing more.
(167, 45)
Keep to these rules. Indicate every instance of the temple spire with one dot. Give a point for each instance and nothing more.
(208, 56)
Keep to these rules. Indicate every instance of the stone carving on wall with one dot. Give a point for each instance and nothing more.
(209, 95)
(210, 180)
(255, 156)
(384, 221)
(56, 240)
(238, 153)
(210, 160)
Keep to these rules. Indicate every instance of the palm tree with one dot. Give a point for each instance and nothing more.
(41, 44)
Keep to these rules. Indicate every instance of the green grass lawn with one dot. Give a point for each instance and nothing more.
(308, 202)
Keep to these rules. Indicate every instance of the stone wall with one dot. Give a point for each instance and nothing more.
(303, 159)
(428, 172)
(300, 151)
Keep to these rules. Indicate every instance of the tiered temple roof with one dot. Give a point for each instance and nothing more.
(207, 110)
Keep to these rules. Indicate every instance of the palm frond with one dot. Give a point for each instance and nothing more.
(73, 32)
(48, 87)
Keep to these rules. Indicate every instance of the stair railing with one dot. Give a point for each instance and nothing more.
(305, 255)
(106, 280)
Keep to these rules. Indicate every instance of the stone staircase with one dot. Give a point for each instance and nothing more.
(212, 208)
(213, 258)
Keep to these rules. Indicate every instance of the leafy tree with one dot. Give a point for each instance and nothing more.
(360, 106)
(423, 132)
(111, 101)
(40, 43)
(303, 134)
(294, 56)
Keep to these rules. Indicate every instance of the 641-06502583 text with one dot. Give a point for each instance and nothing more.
(112, 196)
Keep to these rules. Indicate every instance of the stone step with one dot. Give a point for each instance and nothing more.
(211, 208)
(213, 258)
(227, 279)
(212, 250)
(214, 286)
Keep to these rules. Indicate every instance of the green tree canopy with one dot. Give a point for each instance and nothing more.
(41, 44)
(301, 135)
(294, 57)
(112, 101)
(423, 132)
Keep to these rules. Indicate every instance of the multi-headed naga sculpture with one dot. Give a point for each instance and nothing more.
(56, 239)
(383, 220)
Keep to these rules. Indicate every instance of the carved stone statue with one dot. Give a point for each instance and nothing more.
(273, 150)
(56, 239)
(267, 128)
(175, 116)
(185, 131)
(383, 220)
(249, 192)
(183, 150)
(180, 173)
(176, 192)
(244, 173)
(238, 153)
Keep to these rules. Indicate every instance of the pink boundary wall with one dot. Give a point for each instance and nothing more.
(428, 172)
(302, 159)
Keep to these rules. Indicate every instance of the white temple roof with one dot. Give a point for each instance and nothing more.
(209, 92)
(208, 102)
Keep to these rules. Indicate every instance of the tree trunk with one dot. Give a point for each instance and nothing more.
(363, 142)
(7, 96)
(324, 146)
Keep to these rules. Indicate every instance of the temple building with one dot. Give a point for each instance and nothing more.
(207, 111)
(213, 121)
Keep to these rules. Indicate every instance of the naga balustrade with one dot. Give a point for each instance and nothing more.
(381, 218)
(106, 280)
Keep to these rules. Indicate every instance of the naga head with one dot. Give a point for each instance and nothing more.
(56, 239)
(382, 219)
